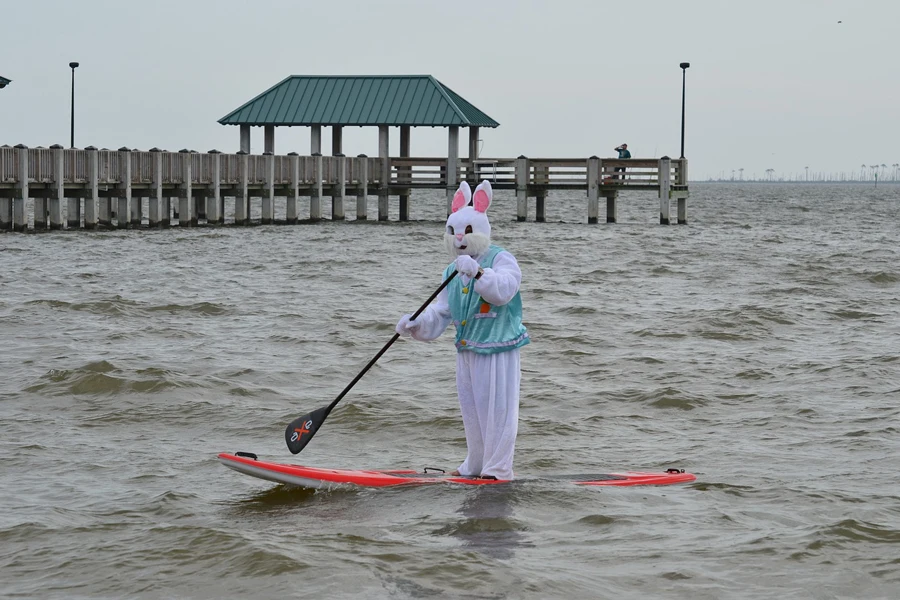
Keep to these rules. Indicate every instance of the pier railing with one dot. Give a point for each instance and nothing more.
(78, 173)
(550, 173)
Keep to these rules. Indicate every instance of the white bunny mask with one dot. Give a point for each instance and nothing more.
(468, 229)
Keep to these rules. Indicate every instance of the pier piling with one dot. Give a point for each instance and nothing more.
(362, 193)
(185, 202)
(339, 185)
(612, 211)
(268, 199)
(92, 192)
(593, 183)
(294, 192)
(315, 200)
(5, 213)
(682, 192)
(19, 218)
(215, 207)
(665, 189)
(58, 190)
(521, 175)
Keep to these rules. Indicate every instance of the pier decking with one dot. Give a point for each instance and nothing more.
(75, 188)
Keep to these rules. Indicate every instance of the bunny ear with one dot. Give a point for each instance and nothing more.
(462, 197)
(483, 196)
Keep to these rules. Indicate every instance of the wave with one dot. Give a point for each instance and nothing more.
(665, 397)
(850, 314)
(882, 277)
(119, 306)
(103, 378)
(198, 308)
(854, 531)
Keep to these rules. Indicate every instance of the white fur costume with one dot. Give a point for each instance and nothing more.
(487, 384)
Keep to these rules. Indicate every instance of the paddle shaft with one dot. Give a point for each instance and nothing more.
(389, 344)
(300, 431)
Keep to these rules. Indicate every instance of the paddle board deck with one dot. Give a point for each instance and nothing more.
(314, 477)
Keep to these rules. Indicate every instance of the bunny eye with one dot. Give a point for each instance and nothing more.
(450, 229)
(468, 229)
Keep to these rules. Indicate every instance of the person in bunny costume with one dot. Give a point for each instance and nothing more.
(483, 303)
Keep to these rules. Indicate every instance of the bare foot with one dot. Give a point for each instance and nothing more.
(454, 473)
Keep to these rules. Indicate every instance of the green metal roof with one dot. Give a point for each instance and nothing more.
(359, 100)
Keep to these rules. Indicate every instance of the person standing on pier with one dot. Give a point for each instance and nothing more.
(623, 153)
(483, 303)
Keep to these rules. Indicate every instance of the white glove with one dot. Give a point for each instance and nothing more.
(466, 265)
(405, 326)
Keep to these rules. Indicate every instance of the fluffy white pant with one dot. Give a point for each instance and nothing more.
(488, 386)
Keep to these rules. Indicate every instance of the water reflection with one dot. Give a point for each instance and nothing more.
(489, 526)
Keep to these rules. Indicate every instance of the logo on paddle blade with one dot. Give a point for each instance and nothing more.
(298, 432)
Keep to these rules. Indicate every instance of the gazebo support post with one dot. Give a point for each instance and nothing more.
(472, 175)
(245, 139)
(385, 175)
(269, 141)
(452, 174)
(337, 195)
(404, 174)
(315, 140)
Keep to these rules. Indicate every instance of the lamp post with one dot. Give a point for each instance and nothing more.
(73, 66)
(684, 66)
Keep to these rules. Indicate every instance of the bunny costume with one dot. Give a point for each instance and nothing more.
(483, 303)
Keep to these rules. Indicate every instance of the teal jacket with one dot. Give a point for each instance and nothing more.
(481, 327)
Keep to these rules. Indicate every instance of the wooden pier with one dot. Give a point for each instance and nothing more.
(91, 189)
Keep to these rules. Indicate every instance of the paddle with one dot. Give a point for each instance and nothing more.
(301, 430)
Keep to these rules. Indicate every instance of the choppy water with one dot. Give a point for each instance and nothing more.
(758, 347)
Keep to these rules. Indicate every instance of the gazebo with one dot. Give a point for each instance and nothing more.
(382, 101)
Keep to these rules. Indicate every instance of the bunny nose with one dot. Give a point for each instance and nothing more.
(459, 236)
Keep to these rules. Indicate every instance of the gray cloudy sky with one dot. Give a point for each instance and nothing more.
(772, 84)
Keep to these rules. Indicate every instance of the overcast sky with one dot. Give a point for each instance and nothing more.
(772, 84)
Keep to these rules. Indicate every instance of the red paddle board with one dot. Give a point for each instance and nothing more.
(314, 477)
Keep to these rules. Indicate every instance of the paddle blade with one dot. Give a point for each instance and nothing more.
(301, 430)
